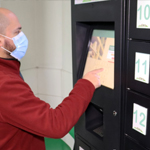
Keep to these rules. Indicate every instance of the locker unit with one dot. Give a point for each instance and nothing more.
(114, 35)
(137, 88)
(137, 120)
(131, 144)
(98, 41)
(142, 49)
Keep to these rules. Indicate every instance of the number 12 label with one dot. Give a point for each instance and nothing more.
(143, 14)
(142, 67)
(139, 118)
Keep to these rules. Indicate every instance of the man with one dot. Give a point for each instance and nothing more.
(25, 119)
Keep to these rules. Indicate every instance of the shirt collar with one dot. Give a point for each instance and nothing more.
(10, 65)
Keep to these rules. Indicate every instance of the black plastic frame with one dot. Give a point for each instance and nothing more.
(142, 47)
(110, 101)
(94, 120)
(132, 144)
(142, 100)
(81, 143)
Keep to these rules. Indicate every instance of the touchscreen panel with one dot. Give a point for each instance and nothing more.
(101, 54)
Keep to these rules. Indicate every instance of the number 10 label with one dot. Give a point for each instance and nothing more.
(143, 14)
(142, 67)
(139, 119)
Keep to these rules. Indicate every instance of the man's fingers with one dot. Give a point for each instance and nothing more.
(94, 77)
(98, 78)
(98, 70)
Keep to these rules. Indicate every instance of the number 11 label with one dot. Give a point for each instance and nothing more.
(143, 14)
(139, 118)
(142, 67)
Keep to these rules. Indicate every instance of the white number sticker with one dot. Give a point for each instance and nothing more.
(142, 67)
(139, 118)
(80, 148)
(87, 1)
(143, 14)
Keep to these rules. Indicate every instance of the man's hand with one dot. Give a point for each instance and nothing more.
(93, 77)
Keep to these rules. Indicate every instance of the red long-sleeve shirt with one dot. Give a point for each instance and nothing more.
(25, 119)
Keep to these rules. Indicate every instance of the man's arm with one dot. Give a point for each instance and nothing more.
(19, 107)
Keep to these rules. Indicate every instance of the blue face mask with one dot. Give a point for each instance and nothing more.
(21, 43)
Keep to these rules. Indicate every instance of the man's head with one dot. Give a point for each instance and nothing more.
(10, 27)
(4, 22)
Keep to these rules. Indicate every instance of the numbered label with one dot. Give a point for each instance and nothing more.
(87, 1)
(143, 14)
(139, 119)
(80, 148)
(142, 67)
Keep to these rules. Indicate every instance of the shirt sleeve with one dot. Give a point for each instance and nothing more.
(20, 108)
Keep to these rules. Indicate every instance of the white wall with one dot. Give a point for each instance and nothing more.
(26, 12)
(47, 65)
